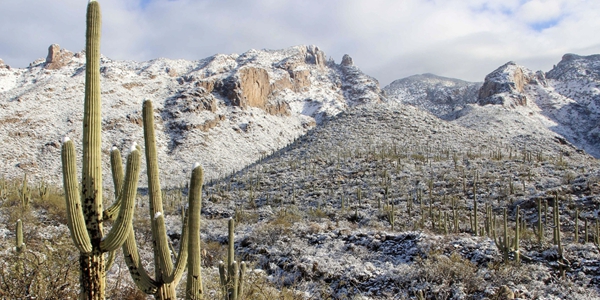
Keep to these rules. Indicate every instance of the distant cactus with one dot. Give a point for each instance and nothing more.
(24, 193)
(43, 190)
(85, 218)
(232, 275)
(20, 246)
(507, 245)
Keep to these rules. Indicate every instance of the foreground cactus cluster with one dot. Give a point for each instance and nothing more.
(84, 206)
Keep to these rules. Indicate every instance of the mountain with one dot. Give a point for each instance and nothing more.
(439, 95)
(516, 100)
(224, 111)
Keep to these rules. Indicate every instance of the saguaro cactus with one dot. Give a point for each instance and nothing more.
(507, 245)
(85, 217)
(167, 275)
(232, 275)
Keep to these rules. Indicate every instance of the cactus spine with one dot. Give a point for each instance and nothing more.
(232, 275)
(84, 208)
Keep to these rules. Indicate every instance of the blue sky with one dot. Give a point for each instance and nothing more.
(388, 39)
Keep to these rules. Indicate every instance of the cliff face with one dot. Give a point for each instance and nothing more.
(225, 110)
(507, 86)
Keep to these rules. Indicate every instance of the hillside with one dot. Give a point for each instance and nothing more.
(315, 218)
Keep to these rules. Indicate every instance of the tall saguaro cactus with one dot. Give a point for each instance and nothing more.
(84, 208)
(167, 275)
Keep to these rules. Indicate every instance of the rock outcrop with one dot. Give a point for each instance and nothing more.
(57, 58)
(347, 60)
(573, 67)
(506, 85)
(3, 65)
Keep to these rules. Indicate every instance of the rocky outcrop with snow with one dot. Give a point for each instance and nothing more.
(515, 99)
(506, 85)
(224, 111)
(565, 99)
(439, 95)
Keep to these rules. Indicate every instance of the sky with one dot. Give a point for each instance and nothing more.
(387, 39)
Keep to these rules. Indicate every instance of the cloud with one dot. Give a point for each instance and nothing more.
(388, 39)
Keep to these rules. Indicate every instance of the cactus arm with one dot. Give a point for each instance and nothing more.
(182, 256)
(162, 256)
(119, 232)
(116, 166)
(134, 264)
(223, 279)
(194, 288)
(75, 218)
(110, 260)
(242, 277)
(236, 278)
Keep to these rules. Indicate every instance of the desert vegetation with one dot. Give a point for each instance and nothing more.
(379, 202)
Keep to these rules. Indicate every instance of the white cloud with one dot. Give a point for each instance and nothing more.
(388, 39)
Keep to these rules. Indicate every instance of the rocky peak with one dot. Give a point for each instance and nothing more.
(347, 60)
(506, 85)
(573, 66)
(57, 58)
(315, 56)
(3, 65)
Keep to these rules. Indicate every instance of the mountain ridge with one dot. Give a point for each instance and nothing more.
(225, 110)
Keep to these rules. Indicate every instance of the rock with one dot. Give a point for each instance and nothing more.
(3, 65)
(278, 108)
(171, 72)
(250, 86)
(315, 56)
(57, 58)
(301, 80)
(255, 86)
(347, 60)
(506, 86)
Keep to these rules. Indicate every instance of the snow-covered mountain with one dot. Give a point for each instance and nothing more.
(224, 111)
(439, 95)
(514, 100)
